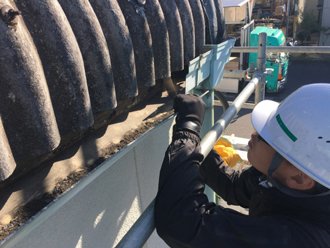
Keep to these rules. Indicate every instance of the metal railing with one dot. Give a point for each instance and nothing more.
(144, 226)
(287, 49)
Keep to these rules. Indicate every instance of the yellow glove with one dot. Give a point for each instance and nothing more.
(227, 152)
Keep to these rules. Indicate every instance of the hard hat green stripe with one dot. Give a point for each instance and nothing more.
(285, 129)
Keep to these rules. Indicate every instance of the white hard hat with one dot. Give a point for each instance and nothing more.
(299, 129)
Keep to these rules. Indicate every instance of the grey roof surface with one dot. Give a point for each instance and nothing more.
(70, 66)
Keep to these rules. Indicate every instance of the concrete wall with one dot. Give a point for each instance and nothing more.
(311, 5)
(307, 5)
(325, 40)
(101, 208)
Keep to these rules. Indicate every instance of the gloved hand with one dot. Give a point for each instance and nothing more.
(191, 110)
(227, 152)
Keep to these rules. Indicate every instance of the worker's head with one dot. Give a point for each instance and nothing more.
(292, 140)
(261, 155)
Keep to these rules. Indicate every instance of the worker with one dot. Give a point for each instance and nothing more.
(286, 190)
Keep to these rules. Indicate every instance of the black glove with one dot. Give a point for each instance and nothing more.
(191, 110)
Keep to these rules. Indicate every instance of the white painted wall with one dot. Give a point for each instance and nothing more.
(100, 209)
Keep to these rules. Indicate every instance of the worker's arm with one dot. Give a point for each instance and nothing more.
(185, 218)
(233, 186)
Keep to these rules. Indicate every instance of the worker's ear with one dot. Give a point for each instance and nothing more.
(299, 180)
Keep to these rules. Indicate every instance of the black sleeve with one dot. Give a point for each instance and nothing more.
(235, 187)
(185, 218)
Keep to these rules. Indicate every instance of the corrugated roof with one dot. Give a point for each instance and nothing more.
(69, 65)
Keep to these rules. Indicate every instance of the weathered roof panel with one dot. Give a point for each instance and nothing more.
(71, 66)
(120, 47)
(95, 53)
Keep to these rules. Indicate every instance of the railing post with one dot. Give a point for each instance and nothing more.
(261, 68)
(207, 125)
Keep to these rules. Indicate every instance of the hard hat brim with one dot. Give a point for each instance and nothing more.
(262, 112)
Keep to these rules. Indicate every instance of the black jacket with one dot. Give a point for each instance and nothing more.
(185, 218)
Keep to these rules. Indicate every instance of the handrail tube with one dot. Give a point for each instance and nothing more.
(145, 225)
(288, 49)
(255, 85)
(242, 73)
(141, 230)
(214, 134)
(245, 105)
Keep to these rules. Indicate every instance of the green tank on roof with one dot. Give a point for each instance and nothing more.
(277, 61)
(275, 37)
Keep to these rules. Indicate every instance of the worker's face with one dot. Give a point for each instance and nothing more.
(260, 154)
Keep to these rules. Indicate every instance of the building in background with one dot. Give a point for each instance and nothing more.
(323, 8)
